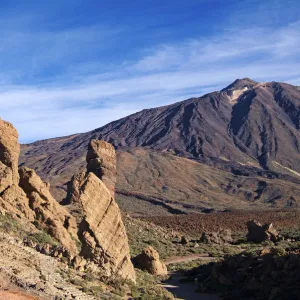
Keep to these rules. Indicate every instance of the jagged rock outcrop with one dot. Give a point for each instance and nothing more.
(9, 154)
(101, 229)
(149, 261)
(99, 225)
(12, 197)
(258, 233)
(25, 195)
(101, 160)
(49, 214)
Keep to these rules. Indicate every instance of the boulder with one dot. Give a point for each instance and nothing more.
(220, 238)
(259, 233)
(101, 160)
(48, 213)
(100, 226)
(149, 261)
(79, 263)
(14, 201)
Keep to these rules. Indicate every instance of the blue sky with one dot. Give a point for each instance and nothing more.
(72, 66)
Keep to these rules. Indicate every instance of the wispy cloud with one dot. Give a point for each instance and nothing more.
(86, 92)
(232, 46)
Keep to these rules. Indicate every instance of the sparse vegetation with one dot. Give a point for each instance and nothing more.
(18, 229)
(42, 238)
(167, 242)
(11, 225)
(148, 288)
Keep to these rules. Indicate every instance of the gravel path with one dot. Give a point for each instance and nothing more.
(187, 258)
(186, 290)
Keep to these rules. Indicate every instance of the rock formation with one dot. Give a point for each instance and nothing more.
(149, 261)
(101, 230)
(12, 197)
(101, 160)
(9, 154)
(99, 225)
(221, 237)
(25, 195)
(49, 214)
(258, 233)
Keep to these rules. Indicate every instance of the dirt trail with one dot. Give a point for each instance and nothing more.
(187, 258)
(16, 296)
(185, 290)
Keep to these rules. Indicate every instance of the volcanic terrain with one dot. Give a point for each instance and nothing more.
(238, 147)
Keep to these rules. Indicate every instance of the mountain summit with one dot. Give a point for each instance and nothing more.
(240, 84)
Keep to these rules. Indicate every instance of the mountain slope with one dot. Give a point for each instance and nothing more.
(246, 125)
(179, 185)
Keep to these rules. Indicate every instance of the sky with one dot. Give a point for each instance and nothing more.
(73, 66)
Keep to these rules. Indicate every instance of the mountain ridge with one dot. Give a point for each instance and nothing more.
(245, 125)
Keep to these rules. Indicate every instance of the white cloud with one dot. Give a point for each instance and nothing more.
(85, 99)
(232, 44)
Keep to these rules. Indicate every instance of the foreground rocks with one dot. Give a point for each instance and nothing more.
(31, 271)
(13, 198)
(269, 274)
(25, 195)
(9, 154)
(100, 226)
(96, 234)
(149, 261)
(49, 214)
(259, 233)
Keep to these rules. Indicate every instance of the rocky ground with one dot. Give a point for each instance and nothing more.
(75, 250)
(238, 269)
(235, 220)
(84, 248)
(35, 272)
(270, 273)
(25, 272)
(187, 258)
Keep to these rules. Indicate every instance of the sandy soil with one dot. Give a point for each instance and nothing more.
(180, 259)
(16, 296)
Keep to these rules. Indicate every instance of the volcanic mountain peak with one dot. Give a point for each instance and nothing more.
(249, 130)
(237, 88)
(240, 84)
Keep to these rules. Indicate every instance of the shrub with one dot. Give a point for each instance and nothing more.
(42, 237)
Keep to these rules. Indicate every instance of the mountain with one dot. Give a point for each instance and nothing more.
(246, 130)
